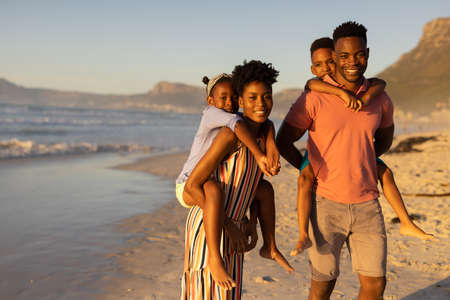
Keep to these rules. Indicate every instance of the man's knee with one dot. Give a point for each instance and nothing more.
(374, 285)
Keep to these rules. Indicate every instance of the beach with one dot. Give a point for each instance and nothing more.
(151, 263)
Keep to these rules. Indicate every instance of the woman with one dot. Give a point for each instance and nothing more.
(234, 168)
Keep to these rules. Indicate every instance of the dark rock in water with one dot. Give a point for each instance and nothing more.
(413, 217)
(408, 144)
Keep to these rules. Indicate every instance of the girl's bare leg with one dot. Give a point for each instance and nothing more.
(265, 199)
(393, 196)
(213, 219)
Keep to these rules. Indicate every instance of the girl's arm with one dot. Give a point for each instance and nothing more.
(376, 88)
(318, 85)
(216, 118)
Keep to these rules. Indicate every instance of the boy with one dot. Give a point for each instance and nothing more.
(322, 64)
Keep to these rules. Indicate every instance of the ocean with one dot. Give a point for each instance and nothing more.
(60, 198)
(31, 131)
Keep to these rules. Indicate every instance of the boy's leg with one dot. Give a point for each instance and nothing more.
(304, 187)
(393, 196)
(213, 219)
(265, 199)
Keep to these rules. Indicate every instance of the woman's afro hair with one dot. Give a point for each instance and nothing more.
(253, 70)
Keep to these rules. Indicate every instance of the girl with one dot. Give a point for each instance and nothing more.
(233, 166)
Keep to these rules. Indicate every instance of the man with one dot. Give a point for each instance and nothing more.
(342, 147)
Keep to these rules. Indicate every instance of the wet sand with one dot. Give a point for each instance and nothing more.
(152, 262)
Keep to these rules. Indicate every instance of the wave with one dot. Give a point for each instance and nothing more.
(15, 148)
(34, 131)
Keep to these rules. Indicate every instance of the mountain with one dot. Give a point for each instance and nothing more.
(283, 100)
(164, 96)
(420, 78)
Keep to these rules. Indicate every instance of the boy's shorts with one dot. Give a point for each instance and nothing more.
(359, 225)
(305, 161)
(380, 161)
(179, 189)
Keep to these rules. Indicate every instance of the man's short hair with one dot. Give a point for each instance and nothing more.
(324, 42)
(349, 29)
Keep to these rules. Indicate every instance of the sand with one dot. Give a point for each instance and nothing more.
(152, 262)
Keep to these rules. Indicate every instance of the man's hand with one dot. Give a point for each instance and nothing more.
(303, 243)
(250, 232)
(238, 239)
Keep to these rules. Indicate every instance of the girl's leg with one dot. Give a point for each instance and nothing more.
(304, 187)
(265, 199)
(393, 196)
(213, 219)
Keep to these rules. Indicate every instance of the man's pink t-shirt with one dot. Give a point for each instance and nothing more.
(340, 143)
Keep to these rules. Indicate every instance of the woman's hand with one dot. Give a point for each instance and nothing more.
(273, 157)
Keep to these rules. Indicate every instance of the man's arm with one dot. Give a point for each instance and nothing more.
(286, 137)
(383, 139)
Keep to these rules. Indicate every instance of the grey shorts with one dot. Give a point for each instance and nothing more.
(359, 225)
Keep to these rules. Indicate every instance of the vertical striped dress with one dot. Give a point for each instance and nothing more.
(238, 176)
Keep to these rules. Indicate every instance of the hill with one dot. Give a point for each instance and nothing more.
(164, 96)
(420, 78)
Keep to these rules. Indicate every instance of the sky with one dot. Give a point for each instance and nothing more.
(126, 47)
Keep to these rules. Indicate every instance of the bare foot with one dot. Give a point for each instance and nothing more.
(302, 244)
(275, 254)
(220, 275)
(414, 231)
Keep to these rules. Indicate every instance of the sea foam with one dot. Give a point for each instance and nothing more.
(15, 148)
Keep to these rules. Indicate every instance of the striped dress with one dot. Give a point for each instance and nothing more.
(238, 176)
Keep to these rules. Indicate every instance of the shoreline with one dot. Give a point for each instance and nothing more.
(151, 263)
